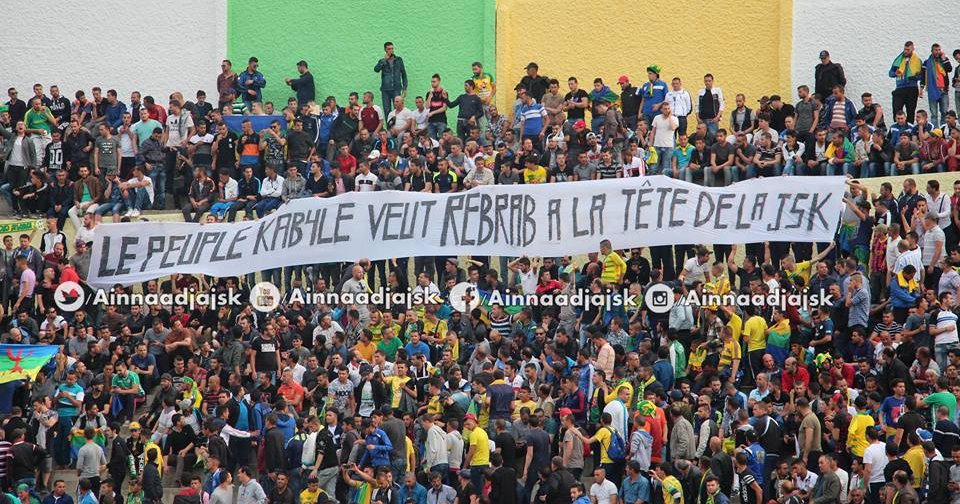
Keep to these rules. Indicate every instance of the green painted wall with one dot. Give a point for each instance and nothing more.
(342, 40)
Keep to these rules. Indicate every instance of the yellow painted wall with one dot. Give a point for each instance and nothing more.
(745, 44)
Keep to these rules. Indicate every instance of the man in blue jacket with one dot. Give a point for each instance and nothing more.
(908, 72)
(378, 446)
(250, 84)
(838, 99)
(393, 76)
(936, 81)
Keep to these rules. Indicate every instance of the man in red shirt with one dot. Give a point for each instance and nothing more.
(792, 372)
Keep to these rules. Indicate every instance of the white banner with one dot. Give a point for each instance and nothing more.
(546, 219)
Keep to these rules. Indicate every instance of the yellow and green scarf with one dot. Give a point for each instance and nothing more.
(908, 67)
(911, 285)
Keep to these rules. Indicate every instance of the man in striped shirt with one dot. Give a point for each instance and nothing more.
(613, 265)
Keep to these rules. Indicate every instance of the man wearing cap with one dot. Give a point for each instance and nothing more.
(652, 93)
(826, 75)
(302, 85)
(779, 112)
(535, 84)
(933, 152)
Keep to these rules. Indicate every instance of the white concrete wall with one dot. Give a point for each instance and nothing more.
(865, 36)
(155, 47)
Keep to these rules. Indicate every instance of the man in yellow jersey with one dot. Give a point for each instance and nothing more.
(857, 431)
(672, 489)
(755, 335)
(477, 458)
(803, 269)
(486, 87)
(613, 265)
(730, 355)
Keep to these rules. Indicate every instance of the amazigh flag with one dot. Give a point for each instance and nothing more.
(18, 362)
(908, 66)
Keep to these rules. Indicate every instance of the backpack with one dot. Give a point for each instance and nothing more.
(294, 450)
(617, 450)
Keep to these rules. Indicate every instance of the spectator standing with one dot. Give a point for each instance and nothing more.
(936, 82)
(303, 85)
(907, 71)
(250, 84)
(826, 75)
(393, 76)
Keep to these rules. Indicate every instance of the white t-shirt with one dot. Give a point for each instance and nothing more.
(421, 116)
(695, 271)
(401, 118)
(528, 280)
(663, 130)
(602, 492)
(366, 182)
(946, 318)
(149, 186)
(178, 127)
(876, 454)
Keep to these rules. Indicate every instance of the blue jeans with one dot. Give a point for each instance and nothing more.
(938, 168)
(138, 199)
(710, 178)
(938, 109)
(792, 167)
(712, 127)
(769, 171)
(744, 173)
(220, 208)
(264, 206)
(940, 354)
(435, 129)
(664, 160)
(61, 443)
(387, 95)
(158, 178)
(112, 207)
(914, 169)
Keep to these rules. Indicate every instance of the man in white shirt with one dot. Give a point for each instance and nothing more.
(874, 462)
(138, 191)
(602, 491)
(420, 116)
(662, 134)
(270, 190)
(365, 181)
(400, 119)
(696, 269)
(227, 193)
(680, 103)
(934, 249)
(479, 176)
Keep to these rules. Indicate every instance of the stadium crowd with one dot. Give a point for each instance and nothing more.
(848, 403)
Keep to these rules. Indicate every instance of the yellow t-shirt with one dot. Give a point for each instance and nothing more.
(729, 352)
(484, 85)
(520, 405)
(736, 324)
(437, 328)
(857, 433)
(613, 268)
(802, 270)
(756, 331)
(411, 455)
(308, 497)
(366, 350)
(395, 383)
(604, 437)
(481, 456)
(537, 175)
(917, 462)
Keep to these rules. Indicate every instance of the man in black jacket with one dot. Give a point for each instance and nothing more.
(559, 483)
(826, 75)
(503, 481)
(273, 455)
(120, 457)
(152, 487)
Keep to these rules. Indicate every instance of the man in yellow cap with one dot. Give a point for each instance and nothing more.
(933, 152)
